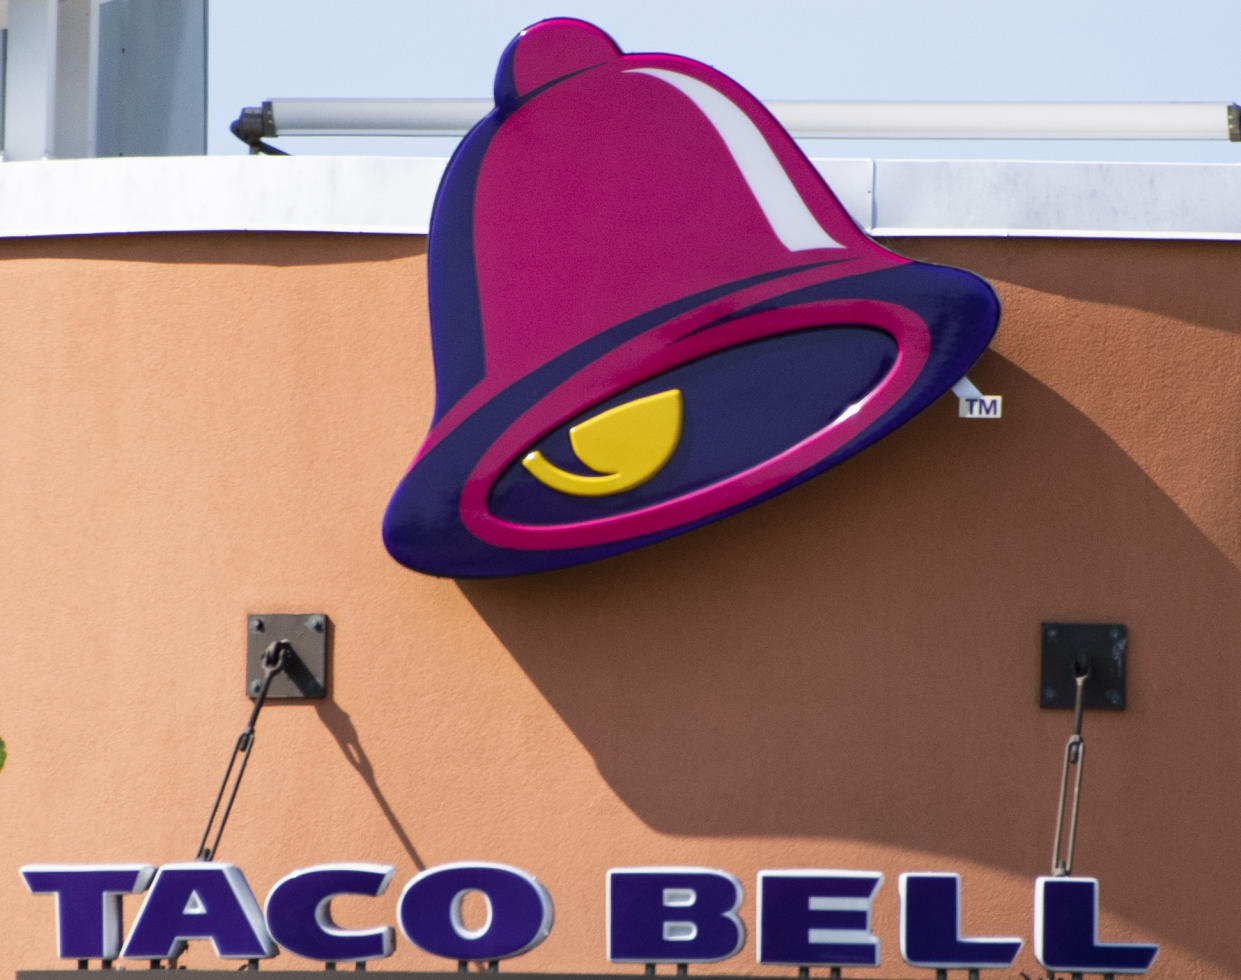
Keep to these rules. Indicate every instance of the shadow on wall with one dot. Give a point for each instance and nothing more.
(859, 659)
(1185, 280)
(337, 721)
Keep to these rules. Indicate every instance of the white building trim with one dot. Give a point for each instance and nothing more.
(393, 195)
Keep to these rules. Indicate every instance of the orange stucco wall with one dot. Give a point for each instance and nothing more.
(197, 427)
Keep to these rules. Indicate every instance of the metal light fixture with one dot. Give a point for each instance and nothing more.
(804, 120)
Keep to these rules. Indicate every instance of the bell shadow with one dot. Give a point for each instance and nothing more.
(859, 659)
(338, 722)
(1187, 281)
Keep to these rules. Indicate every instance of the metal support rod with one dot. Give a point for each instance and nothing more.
(274, 660)
(1074, 758)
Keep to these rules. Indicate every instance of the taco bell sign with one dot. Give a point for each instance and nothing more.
(802, 917)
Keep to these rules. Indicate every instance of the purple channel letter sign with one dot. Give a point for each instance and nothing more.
(803, 917)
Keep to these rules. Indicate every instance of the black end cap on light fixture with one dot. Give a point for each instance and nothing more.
(252, 125)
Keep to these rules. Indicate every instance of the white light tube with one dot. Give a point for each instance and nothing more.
(813, 120)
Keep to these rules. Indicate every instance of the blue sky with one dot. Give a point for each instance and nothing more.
(1070, 50)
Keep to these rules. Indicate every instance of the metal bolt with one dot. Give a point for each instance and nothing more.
(1114, 633)
(316, 623)
(1049, 695)
(1051, 632)
(255, 687)
(1113, 698)
(256, 625)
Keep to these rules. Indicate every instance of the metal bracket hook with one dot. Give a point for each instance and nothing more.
(1068, 649)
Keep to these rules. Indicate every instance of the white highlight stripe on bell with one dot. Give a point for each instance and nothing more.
(783, 207)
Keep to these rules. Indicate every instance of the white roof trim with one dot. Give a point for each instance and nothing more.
(393, 195)
(383, 195)
(1070, 200)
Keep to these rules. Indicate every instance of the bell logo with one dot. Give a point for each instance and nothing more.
(648, 312)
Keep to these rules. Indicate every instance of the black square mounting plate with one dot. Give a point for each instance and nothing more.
(305, 672)
(1070, 647)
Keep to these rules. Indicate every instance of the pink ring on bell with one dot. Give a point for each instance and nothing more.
(615, 372)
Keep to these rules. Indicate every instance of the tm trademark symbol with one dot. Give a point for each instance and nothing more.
(980, 407)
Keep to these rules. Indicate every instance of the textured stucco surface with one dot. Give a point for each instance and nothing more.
(197, 427)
